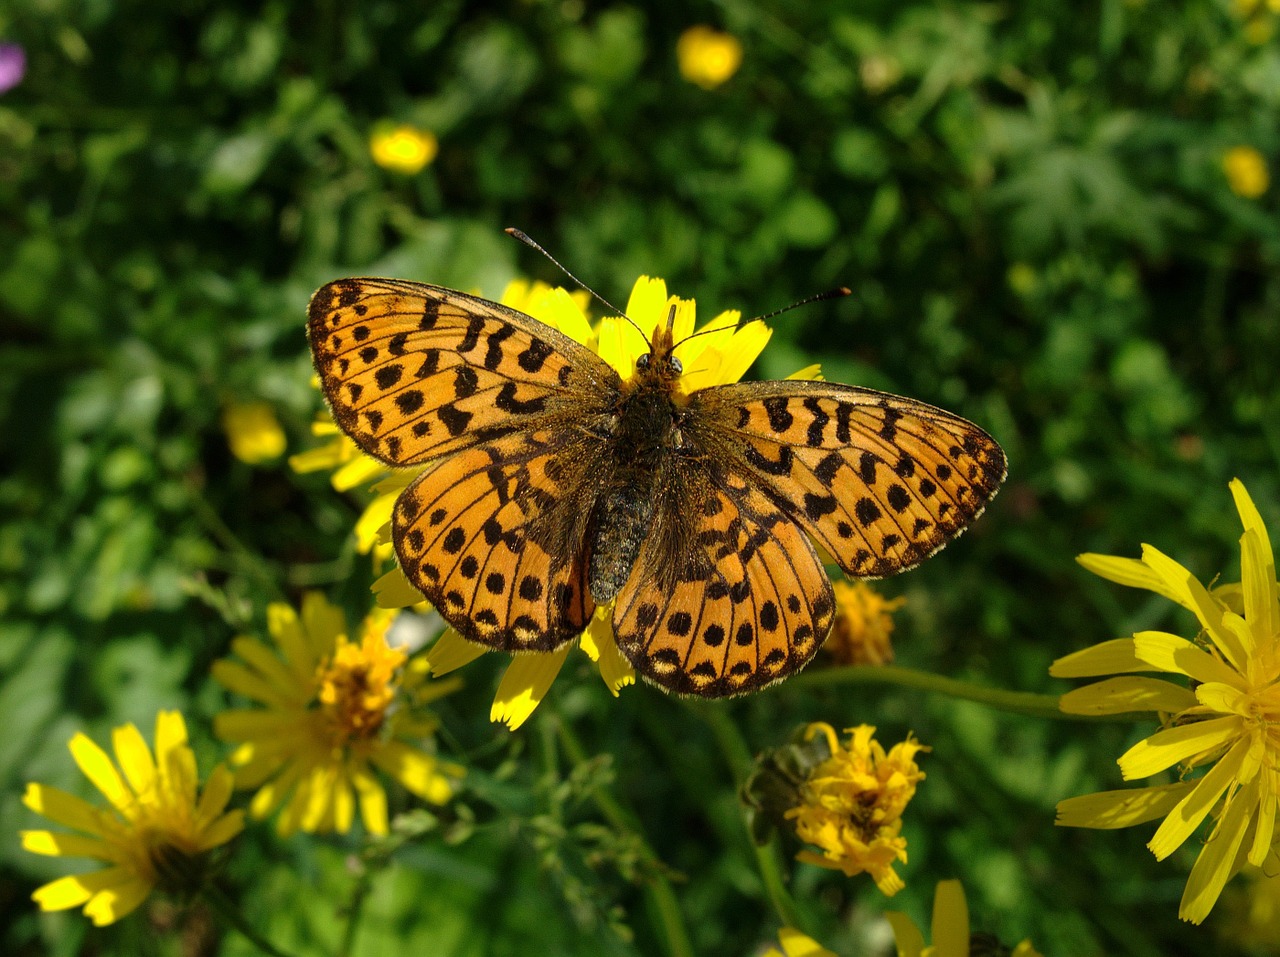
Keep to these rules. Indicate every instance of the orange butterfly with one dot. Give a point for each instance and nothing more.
(553, 484)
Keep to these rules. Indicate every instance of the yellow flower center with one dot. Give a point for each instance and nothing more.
(358, 684)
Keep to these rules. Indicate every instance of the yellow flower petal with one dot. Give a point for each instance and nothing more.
(1108, 810)
(525, 684)
(1257, 566)
(597, 641)
(222, 830)
(393, 590)
(451, 651)
(1109, 658)
(906, 935)
(1130, 572)
(811, 373)
(950, 928)
(1223, 698)
(1192, 809)
(134, 758)
(1166, 748)
(53, 844)
(1170, 653)
(1197, 598)
(76, 889)
(797, 944)
(357, 473)
(216, 794)
(1121, 695)
(117, 901)
(1213, 867)
(97, 767)
(376, 515)
(373, 803)
(63, 808)
(1265, 831)
(420, 773)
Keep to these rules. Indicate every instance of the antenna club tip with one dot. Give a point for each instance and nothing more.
(844, 291)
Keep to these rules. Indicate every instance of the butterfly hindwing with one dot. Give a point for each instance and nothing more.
(880, 481)
(413, 371)
(727, 595)
(493, 537)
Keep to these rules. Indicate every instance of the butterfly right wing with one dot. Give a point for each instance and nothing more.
(413, 371)
(494, 537)
(727, 594)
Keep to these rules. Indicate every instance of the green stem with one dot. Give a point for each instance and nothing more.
(661, 895)
(355, 908)
(738, 756)
(229, 912)
(1015, 702)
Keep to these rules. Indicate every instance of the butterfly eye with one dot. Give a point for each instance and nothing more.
(676, 365)
(643, 362)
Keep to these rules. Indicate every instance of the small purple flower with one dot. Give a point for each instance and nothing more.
(13, 65)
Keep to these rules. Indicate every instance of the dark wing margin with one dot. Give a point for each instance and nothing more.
(880, 481)
(413, 371)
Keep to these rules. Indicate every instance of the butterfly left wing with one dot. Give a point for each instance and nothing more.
(880, 481)
(727, 594)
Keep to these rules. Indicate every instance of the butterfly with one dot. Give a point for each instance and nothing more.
(553, 485)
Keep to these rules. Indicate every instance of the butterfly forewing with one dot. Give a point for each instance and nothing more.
(413, 371)
(880, 481)
(727, 595)
(494, 538)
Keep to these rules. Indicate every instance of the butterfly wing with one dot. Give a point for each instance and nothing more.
(494, 538)
(880, 481)
(413, 371)
(727, 594)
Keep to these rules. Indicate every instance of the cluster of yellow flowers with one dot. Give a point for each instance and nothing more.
(332, 712)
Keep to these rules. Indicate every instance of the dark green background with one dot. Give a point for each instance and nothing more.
(1034, 220)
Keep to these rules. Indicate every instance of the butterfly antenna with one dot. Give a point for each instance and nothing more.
(829, 294)
(528, 241)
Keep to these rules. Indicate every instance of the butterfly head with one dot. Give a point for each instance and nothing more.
(659, 363)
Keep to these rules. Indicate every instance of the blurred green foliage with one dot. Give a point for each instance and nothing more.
(1029, 203)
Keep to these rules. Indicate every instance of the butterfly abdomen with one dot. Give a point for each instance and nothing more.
(642, 435)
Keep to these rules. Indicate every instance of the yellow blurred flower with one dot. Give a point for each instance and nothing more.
(707, 57)
(1246, 171)
(253, 431)
(333, 710)
(853, 803)
(949, 928)
(1251, 918)
(1222, 718)
(157, 834)
(864, 625)
(796, 944)
(402, 148)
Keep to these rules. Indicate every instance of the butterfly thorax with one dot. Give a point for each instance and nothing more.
(643, 436)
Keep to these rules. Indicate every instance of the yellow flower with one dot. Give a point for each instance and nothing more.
(708, 360)
(403, 148)
(253, 432)
(1224, 719)
(158, 832)
(796, 944)
(333, 711)
(863, 627)
(949, 928)
(853, 803)
(1246, 171)
(707, 57)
